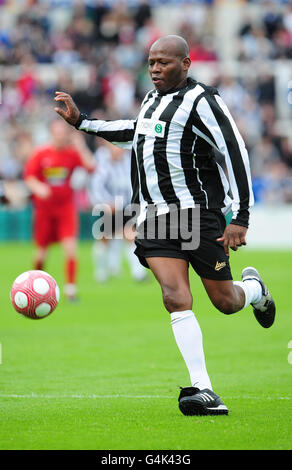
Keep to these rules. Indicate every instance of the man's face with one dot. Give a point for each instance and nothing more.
(166, 69)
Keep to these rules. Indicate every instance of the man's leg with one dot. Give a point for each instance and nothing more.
(172, 275)
(42, 235)
(70, 249)
(212, 264)
(100, 260)
(227, 296)
(232, 296)
(114, 256)
(40, 257)
(66, 220)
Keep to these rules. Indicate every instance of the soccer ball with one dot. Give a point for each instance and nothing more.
(35, 294)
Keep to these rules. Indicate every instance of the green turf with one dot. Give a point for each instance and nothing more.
(104, 373)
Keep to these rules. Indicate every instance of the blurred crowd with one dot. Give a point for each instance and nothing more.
(269, 37)
(97, 51)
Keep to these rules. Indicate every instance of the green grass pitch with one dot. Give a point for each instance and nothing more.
(105, 373)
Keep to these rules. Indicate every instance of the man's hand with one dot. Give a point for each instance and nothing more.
(71, 114)
(38, 188)
(233, 237)
(44, 191)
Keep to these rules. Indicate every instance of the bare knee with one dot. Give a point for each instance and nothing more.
(226, 303)
(177, 299)
(225, 296)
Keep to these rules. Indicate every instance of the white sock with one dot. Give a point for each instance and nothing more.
(188, 336)
(252, 291)
(99, 256)
(115, 256)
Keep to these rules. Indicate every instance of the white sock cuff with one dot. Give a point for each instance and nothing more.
(252, 290)
(177, 316)
(240, 284)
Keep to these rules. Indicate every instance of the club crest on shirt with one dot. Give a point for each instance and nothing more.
(151, 127)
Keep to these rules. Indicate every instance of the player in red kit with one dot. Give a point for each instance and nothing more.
(47, 175)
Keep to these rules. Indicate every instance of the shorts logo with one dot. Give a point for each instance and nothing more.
(220, 265)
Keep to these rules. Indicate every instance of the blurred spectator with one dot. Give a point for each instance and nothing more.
(142, 14)
(262, 155)
(255, 45)
(265, 89)
(268, 36)
(272, 19)
(233, 93)
(27, 82)
(286, 150)
(274, 186)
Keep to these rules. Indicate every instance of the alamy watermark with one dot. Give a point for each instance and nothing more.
(170, 223)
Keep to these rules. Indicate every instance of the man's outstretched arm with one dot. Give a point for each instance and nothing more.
(119, 132)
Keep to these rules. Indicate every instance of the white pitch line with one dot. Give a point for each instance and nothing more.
(82, 397)
(96, 397)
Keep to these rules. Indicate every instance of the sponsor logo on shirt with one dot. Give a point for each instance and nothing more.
(151, 127)
(56, 176)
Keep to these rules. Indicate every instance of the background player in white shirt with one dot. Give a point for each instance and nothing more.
(110, 188)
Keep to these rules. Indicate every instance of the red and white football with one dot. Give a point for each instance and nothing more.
(35, 294)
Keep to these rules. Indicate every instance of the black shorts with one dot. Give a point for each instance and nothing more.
(208, 259)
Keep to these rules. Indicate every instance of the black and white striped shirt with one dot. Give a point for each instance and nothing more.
(174, 141)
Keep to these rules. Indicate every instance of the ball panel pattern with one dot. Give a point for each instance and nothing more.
(57, 293)
(43, 309)
(40, 289)
(22, 277)
(40, 286)
(21, 299)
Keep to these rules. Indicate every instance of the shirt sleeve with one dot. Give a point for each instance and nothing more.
(214, 123)
(120, 132)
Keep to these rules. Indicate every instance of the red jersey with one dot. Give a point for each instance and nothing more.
(53, 166)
